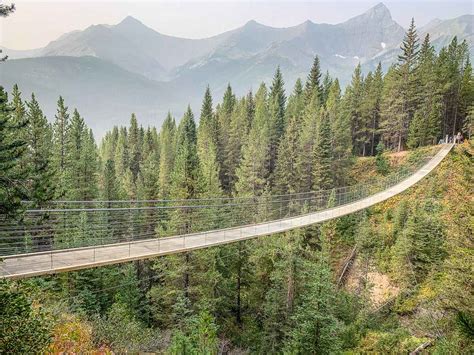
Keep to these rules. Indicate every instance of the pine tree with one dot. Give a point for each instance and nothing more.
(401, 106)
(313, 83)
(314, 325)
(148, 177)
(60, 144)
(323, 174)
(253, 171)
(353, 99)
(185, 175)
(277, 103)
(393, 124)
(74, 148)
(425, 125)
(224, 114)
(110, 183)
(295, 105)
(12, 152)
(287, 178)
(326, 87)
(236, 138)
(167, 155)
(39, 138)
(307, 142)
(286, 173)
(341, 144)
(89, 166)
(207, 141)
(135, 141)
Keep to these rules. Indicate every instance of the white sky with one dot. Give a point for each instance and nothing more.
(35, 23)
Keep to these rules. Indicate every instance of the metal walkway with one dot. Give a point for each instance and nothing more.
(310, 209)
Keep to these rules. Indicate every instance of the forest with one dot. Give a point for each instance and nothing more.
(281, 293)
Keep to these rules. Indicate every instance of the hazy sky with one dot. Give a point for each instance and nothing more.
(35, 23)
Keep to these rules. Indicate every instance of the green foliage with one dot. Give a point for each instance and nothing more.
(273, 294)
(314, 325)
(123, 333)
(200, 337)
(12, 152)
(25, 327)
(381, 161)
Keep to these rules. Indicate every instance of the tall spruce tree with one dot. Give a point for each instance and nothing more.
(323, 174)
(400, 108)
(254, 170)
(307, 142)
(60, 145)
(207, 140)
(12, 152)
(313, 83)
(426, 123)
(224, 114)
(167, 155)
(341, 144)
(314, 324)
(39, 139)
(277, 106)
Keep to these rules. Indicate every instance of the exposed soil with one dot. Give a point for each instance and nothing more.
(381, 289)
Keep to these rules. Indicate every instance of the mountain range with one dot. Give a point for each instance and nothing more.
(110, 71)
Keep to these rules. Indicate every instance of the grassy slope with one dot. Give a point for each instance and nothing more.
(429, 309)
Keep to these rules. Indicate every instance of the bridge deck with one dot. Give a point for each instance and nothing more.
(33, 264)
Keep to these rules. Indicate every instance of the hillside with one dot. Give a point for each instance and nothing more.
(430, 296)
(104, 93)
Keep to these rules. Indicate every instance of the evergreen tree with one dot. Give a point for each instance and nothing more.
(25, 327)
(89, 166)
(425, 125)
(353, 99)
(314, 325)
(277, 103)
(207, 141)
(39, 138)
(326, 87)
(12, 151)
(393, 125)
(224, 114)
(313, 83)
(110, 183)
(135, 141)
(167, 155)
(74, 148)
(295, 105)
(323, 175)
(253, 172)
(185, 176)
(400, 98)
(60, 144)
(307, 142)
(341, 144)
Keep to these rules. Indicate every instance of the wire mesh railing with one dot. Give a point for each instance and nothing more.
(76, 224)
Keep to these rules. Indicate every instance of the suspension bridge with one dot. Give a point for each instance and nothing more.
(73, 235)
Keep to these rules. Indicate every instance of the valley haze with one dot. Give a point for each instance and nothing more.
(110, 71)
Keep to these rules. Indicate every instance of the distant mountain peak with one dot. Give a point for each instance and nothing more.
(252, 24)
(130, 21)
(379, 10)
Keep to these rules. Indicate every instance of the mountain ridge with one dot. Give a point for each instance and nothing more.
(244, 57)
